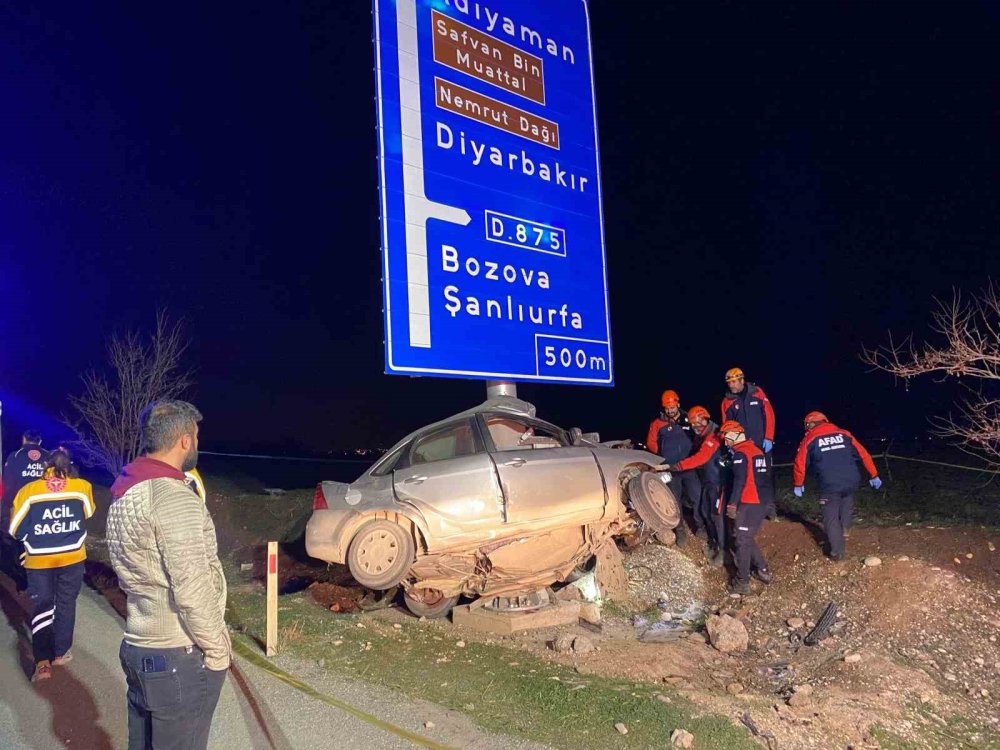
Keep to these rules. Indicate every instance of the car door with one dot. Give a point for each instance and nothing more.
(449, 477)
(545, 481)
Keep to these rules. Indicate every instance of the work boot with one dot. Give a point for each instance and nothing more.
(772, 513)
(701, 534)
(838, 557)
(681, 534)
(718, 559)
(763, 575)
(738, 587)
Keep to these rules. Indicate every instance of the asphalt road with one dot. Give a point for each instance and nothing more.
(83, 705)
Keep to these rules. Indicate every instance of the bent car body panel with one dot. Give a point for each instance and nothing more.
(490, 519)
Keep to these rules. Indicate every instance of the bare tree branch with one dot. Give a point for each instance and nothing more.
(138, 372)
(970, 329)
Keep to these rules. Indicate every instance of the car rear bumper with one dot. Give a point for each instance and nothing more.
(326, 537)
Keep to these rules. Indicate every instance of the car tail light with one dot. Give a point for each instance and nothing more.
(319, 499)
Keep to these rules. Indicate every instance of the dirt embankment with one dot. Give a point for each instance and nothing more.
(924, 622)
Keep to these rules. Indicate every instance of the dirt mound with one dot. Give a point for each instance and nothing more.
(337, 598)
(657, 573)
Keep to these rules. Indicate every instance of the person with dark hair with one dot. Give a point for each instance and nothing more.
(24, 465)
(48, 517)
(162, 545)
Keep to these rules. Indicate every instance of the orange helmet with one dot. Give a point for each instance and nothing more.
(734, 374)
(815, 416)
(670, 398)
(698, 412)
(731, 425)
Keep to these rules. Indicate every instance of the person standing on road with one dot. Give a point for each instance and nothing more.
(162, 544)
(671, 437)
(48, 517)
(749, 472)
(747, 404)
(708, 461)
(834, 454)
(22, 466)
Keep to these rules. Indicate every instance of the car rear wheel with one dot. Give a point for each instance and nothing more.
(654, 502)
(380, 554)
(429, 603)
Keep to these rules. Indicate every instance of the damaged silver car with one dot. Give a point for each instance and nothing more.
(490, 502)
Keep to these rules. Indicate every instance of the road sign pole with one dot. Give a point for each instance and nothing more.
(496, 388)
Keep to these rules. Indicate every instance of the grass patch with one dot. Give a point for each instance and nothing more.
(505, 691)
(911, 493)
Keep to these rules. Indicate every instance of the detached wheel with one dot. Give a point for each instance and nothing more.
(654, 502)
(429, 603)
(380, 554)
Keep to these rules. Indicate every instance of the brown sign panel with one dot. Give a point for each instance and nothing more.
(462, 101)
(463, 48)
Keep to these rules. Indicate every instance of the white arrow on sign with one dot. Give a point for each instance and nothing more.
(416, 206)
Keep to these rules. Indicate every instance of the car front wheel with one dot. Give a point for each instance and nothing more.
(380, 554)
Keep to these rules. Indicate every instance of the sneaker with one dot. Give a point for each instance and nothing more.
(737, 587)
(43, 671)
(764, 576)
(64, 659)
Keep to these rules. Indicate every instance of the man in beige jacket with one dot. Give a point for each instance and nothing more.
(162, 544)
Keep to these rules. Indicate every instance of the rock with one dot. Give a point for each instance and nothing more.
(563, 643)
(734, 688)
(569, 594)
(321, 663)
(681, 738)
(621, 728)
(992, 547)
(968, 555)
(460, 644)
(590, 612)
(925, 697)
(397, 626)
(872, 561)
(795, 622)
(852, 658)
(666, 616)
(980, 661)
(663, 698)
(950, 677)
(582, 645)
(957, 561)
(903, 558)
(727, 634)
(428, 725)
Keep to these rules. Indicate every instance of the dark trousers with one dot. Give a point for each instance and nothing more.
(765, 487)
(749, 518)
(838, 513)
(171, 697)
(53, 593)
(713, 514)
(688, 486)
(10, 558)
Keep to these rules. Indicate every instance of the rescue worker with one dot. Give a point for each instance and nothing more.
(750, 470)
(709, 461)
(747, 404)
(834, 454)
(49, 517)
(22, 466)
(671, 437)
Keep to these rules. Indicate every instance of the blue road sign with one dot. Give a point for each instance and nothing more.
(492, 230)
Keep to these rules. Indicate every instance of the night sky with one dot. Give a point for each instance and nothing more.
(783, 180)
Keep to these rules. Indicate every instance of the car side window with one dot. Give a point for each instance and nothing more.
(392, 462)
(512, 434)
(450, 442)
